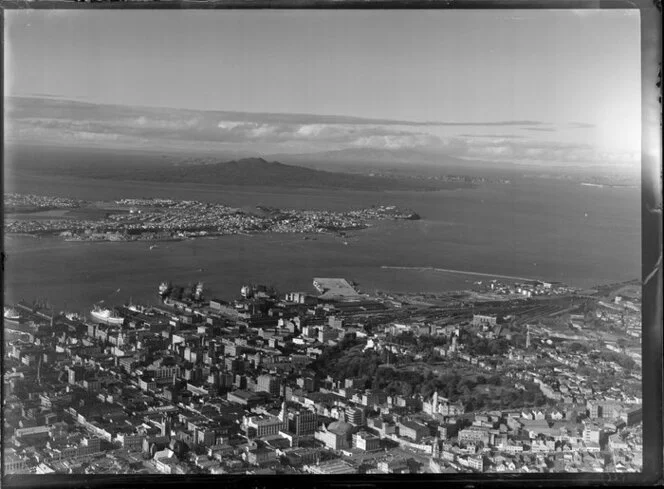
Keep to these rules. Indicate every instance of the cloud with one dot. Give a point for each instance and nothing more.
(152, 123)
(584, 12)
(492, 136)
(491, 123)
(229, 125)
(309, 130)
(531, 150)
(580, 125)
(205, 128)
(47, 105)
(398, 141)
(31, 119)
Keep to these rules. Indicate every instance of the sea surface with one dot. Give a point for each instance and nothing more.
(541, 229)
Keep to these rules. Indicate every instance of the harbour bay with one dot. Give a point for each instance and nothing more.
(542, 229)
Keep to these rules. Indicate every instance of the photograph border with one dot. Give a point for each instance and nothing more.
(651, 215)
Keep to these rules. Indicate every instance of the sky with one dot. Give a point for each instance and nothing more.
(504, 84)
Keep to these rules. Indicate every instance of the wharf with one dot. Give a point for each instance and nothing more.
(35, 312)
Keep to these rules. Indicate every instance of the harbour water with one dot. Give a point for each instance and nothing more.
(551, 230)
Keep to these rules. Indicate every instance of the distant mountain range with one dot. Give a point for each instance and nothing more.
(373, 155)
(353, 169)
(260, 172)
(362, 160)
(128, 165)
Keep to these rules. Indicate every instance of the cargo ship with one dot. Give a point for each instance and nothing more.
(106, 315)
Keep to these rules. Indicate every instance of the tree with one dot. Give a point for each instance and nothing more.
(495, 380)
(576, 347)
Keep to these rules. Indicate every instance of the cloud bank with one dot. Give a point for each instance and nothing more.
(46, 119)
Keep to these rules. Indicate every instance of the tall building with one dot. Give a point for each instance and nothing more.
(165, 426)
(283, 413)
(299, 421)
(260, 426)
(302, 422)
(75, 374)
(355, 416)
(269, 384)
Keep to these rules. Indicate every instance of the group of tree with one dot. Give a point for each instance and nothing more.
(475, 345)
(577, 347)
(621, 359)
(370, 369)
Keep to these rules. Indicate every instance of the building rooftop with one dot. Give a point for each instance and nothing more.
(340, 427)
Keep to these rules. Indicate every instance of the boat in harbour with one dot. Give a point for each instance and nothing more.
(11, 315)
(165, 288)
(137, 308)
(106, 315)
(73, 316)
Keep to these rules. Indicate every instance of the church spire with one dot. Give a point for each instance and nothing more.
(436, 447)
